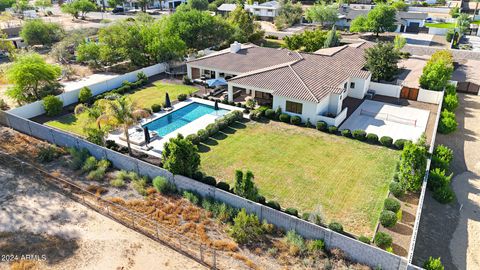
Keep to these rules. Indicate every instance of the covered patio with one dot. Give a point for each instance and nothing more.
(239, 93)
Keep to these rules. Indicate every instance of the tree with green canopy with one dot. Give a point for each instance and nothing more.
(382, 60)
(180, 156)
(378, 20)
(323, 13)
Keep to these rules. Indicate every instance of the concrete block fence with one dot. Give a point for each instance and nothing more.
(355, 250)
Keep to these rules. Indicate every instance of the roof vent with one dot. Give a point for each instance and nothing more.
(235, 47)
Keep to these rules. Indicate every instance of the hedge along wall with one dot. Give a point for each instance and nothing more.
(71, 97)
(355, 250)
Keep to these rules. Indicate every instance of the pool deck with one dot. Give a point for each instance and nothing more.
(158, 143)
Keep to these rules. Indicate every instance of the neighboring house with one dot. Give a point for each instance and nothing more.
(265, 11)
(411, 22)
(156, 4)
(347, 13)
(225, 9)
(310, 85)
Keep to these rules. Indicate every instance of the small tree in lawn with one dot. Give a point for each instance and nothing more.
(244, 185)
(180, 156)
(382, 61)
(412, 165)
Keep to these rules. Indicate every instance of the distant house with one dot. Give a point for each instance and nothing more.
(225, 9)
(310, 85)
(411, 22)
(265, 11)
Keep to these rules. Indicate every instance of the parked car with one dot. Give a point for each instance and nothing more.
(118, 10)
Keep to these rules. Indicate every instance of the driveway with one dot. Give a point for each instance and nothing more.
(418, 39)
(453, 231)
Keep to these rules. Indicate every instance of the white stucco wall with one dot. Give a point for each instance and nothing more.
(360, 89)
(309, 109)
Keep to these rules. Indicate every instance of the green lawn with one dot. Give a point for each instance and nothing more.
(440, 25)
(273, 43)
(476, 22)
(344, 179)
(144, 98)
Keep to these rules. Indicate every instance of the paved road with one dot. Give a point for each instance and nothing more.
(452, 231)
(457, 54)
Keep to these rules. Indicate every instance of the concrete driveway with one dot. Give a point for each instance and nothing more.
(418, 39)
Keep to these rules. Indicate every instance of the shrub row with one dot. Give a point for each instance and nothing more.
(438, 179)
(127, 86)
(448, 122)
(211, 129)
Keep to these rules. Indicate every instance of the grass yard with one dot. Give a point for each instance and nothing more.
(144, 98)
(346, 180)
(273, 43)
(440, 25)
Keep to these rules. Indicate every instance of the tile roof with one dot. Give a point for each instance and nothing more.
(313, 76)
(246, 59)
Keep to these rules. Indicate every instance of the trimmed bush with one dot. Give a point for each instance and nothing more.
(295, 120)
(270, 114)
(346, 133)
(437, 178)
(212, 129)
(222, 123)
(223, 186)
(274, 204)
(442, 157)
(396, 189)
(193, 138)
(444, 194)
(156, 108)
(383, 240)
(359, 134)
(448, 123)
(450, 102)
(400, 143)
(203, 135)
(391, 205)
(284, 118)
(182, 97)
(322, 125)
(292, 211)
(52, 105)
(388, 219)
(198, 175)
(84, 95)
(372, 138)
(336, 227)
(162, 185)
(332, 129)
(364, 239)
(209, 180)
(386, 141)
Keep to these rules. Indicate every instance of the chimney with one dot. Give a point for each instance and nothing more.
(235, 47)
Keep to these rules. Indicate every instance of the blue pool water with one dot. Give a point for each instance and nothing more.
(179, 118)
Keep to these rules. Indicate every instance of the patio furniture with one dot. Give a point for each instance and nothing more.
(370, 94)
(138, 137)
(217, 92)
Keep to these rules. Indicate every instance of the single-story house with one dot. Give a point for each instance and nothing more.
(411, 22)
(310, 85)
(347, 13)
(225, 8)
(264, 11)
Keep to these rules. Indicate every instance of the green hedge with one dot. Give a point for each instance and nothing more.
(284, 118)
(359, 134)
(386, 141)
(295, 120)
(388, 218)
(322, 125)
(391, 205)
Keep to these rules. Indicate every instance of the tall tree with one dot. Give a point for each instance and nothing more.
(32, 78)
(78, 8)
(180, 156)
(379, 20)
(382, 61)
(323, 13)
(246, 29)
(288, 15)
(198, 4)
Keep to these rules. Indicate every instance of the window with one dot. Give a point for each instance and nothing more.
(294, 107)
(352, 85)
(345, 86)
(262, 95)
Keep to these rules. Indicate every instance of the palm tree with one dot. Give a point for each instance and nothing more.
(122, 112)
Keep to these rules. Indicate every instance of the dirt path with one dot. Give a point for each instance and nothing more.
(36, 220)
(452, 231)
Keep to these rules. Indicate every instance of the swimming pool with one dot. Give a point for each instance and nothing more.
(181, 117)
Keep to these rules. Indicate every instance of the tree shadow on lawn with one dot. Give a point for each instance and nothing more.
(206, 145)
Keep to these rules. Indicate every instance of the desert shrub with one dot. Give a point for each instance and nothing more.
(383, 240)
(438, 178)
(193, 138)
(284, 117)
(246, 228)
(359, 134)
(391, 205)
(444, 194)
(90, 164)
(48, 153)
(117, 182)
(209, 180)
(332, 129)
(400, 143)
(450, 102)
(292, 211)
(84, 95)
(448, 123)
(52, 105)
(162, 185)
(212, 129)
(314, 246)
(433, 264)
(270, 114)
(140, 184)
(77, 158)
(223, 186)
(336, 227)
(296, 242)
(202, 134)
(274, 204)
(346, 133)
(388, 218)
(97, 175)
(295, 120)
(386, 141)
(182, 97)
(192, 197)
(322, 125)
(104, 163)
(372, 138)
(364, 239)
(198, 175)
(156, 108)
